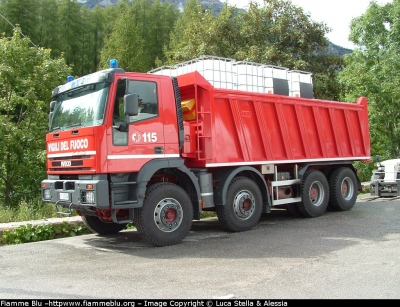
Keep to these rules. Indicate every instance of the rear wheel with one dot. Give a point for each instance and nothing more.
(314, 194)
(343, 191)
(242, 210)
(94, 224)
(166, 216)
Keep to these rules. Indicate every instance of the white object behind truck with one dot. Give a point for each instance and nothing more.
(385, 180)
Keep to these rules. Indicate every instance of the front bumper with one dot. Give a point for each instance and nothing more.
(385, 189)
(76, 193)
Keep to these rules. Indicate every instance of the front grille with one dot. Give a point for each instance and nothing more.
(71, 163)
(70, 158)
(70, 169)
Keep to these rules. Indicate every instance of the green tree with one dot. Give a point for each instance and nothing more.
(163, 17)
(373, 70)
(87, 51)
(223, 33)
(189, 38)
(278, 33)
(24, 13)
(140, 31)
(125, 43)
(48, 27)
(325, 68)
(97, 33)
(27, 76)
(70, 33)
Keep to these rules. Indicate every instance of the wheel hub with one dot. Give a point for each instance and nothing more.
(244, 205)
(316, 193)
(347, 188)
(168, 215)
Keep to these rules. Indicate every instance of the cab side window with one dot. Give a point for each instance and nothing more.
(148, 102)
(120, 138)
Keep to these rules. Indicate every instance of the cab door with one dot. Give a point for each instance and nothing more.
(129, 150)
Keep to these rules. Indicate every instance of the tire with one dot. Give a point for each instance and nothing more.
(343, 191)
(102, 228)
(314, 193)
(243, 207)
(166, 216)
(136, 219)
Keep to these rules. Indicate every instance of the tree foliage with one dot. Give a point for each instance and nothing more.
(326, 68)
(139, 33)
(126, 42)
(26, 73)
(144, 34)
(373, 70)
(278, 33)
(190, 37)
(24, 13)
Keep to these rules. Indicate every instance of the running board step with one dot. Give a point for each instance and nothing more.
(116, 220)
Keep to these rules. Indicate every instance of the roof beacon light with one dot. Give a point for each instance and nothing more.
(113, 63)
(70, 78)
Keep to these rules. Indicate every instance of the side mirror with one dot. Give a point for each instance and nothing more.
(378, 161)
(131, 108)
(131, 104)
(52, 105)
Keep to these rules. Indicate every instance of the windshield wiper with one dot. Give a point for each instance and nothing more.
(55, 128)
(75, 125)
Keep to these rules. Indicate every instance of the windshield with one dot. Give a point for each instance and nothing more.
(82, 106)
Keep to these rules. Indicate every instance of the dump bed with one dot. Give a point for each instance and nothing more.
(231, 127)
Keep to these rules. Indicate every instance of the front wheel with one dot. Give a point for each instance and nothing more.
(166, 216)
(94, 224)
(314, 193)
(242, 210)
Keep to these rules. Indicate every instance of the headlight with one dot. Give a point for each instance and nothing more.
(88, 197)
(46, 194)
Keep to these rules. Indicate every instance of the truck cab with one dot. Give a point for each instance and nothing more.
(385, 180)
(109, 133)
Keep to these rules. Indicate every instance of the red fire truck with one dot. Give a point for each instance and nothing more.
(158, 150)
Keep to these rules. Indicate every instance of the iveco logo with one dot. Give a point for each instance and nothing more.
(65, 163)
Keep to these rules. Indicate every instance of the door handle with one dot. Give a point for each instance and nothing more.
(158, 150)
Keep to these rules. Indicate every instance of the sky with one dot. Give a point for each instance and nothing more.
(337, 14)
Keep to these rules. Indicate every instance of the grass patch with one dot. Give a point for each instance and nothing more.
(206, 214)
(28, 212)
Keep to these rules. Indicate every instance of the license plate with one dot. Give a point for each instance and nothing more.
(63, 196)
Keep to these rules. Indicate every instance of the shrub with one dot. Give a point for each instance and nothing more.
(29, 233)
